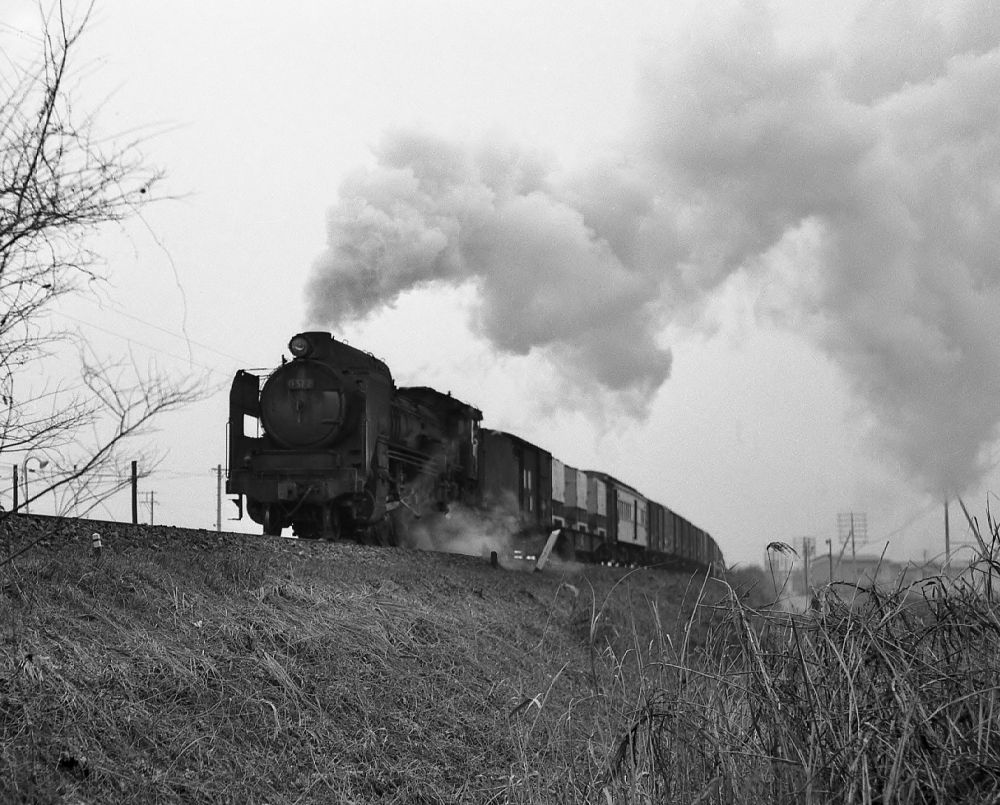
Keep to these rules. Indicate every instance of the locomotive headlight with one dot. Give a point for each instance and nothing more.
(300, 346)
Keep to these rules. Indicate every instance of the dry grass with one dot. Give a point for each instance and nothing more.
(877, 696)
(248, 671)
(256, 671)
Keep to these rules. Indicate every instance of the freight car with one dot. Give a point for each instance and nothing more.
(330, 447)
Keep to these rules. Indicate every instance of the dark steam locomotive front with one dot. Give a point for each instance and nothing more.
(305, 450)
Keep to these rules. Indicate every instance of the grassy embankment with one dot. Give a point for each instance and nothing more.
(235, 670)
(186, 667)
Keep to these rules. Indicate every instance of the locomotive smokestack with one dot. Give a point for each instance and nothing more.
(853, 182)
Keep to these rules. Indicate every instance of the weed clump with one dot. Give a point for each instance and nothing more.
(874, 695)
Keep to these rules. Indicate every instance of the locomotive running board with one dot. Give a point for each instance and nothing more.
(549, 545)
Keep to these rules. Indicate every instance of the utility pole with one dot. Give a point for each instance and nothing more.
(218, 498)
(854, 553)
(151, 502)
(16, 502)
(135, 493)
(829, 548)
(853, 526)
(808, 544)
(947, 534)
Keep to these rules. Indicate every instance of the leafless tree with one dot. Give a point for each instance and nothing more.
(60, 184)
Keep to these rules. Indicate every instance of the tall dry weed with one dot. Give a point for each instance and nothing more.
(878, 695)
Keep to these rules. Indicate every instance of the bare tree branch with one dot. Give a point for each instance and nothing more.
(60, 183)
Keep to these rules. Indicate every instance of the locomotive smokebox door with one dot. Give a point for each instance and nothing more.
(302, 405)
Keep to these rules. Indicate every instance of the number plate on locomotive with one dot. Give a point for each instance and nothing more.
(300, 383)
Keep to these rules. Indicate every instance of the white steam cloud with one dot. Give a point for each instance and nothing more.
(436, 211)
(859, 182)
(467, 531)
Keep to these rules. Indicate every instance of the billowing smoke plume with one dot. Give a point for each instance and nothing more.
(435, 211)
(859, 182)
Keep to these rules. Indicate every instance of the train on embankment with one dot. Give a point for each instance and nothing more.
(328, 446)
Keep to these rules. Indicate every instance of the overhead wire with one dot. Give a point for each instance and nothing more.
(166, 475)
(913, 519)
(121, 311)
(128, 339)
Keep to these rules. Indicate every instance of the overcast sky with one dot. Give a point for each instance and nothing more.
(742, 258)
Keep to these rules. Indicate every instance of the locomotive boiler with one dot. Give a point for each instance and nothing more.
(331, 448)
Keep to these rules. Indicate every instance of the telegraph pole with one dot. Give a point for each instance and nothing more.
(218, 498)
(853, 526)
(854, 553)
(151, 502)
(807, 548)
(135, 493)
(947, 534)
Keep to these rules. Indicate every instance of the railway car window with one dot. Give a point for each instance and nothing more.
(528, 487)
(251, 426)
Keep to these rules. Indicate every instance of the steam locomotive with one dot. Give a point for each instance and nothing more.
(328, 446)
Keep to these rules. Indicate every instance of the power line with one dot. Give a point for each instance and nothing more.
(922, 513)
(188, 360)
(173, 334)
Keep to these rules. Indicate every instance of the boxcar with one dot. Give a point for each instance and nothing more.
(516, 474)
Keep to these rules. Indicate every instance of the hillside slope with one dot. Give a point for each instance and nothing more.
(190, 666)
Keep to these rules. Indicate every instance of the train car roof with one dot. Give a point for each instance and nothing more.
(518, 440)
(610, 479)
